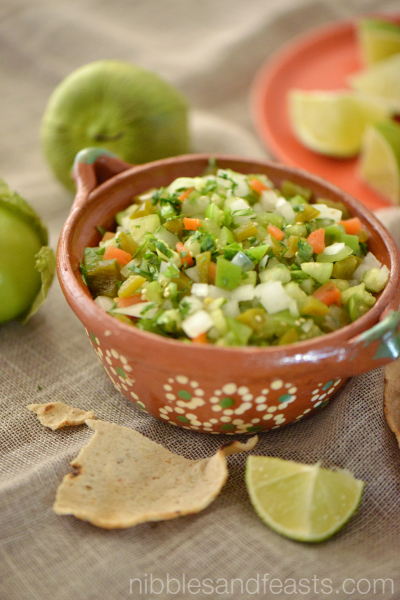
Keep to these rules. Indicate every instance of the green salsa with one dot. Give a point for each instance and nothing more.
(230, 259)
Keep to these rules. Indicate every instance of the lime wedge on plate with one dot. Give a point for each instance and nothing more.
(333, 123)
(378, 39)
(381, 80)
(380, 159)
(303, 502)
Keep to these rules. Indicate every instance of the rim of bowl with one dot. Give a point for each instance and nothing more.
(85, 308)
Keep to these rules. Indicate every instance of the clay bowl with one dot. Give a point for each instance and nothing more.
(207, 388)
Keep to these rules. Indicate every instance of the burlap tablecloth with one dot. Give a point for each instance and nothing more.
(211, 50)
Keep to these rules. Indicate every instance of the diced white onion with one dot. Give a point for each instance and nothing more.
(111, 242)
(369, 262)
(243, 292)
(217, 292)
(384, 274)
(326, 212)
(105, 302)
(258, 208)
(199, 289)
(215, 304)
(196, 324)
(293, 308)
(238, 204)
(268, 200)
(135, 310)
(276, 273)
(163, 266)
(195, 207)
(285, 209)
(243, 261)
(241, 205)
(231, 309)
(263, 261)
(193, 273)
(274, 298)
(241, 188)
(192, 304)
(378, 278)
(334, 248)
(219, 321)
(126, 222)
(225, 183)
(181, 183)
(126, 271)
(307, 326)
(167, 237)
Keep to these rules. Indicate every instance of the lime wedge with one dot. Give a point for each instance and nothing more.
(381, 80)
(378, 39)
(303, 502)
(380, 159)
(333, 123)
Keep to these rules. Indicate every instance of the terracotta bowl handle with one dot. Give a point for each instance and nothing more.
(384, 339)
(93, 166)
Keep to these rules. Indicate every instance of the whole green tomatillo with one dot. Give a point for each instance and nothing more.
(27, 264)
(116, 105)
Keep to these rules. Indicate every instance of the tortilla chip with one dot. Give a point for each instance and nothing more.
(235, 447)
(121, 479)
(57, 414)
(392, 397)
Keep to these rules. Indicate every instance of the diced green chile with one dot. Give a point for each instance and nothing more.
(103, 278)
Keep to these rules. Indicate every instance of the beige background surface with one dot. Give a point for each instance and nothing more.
(211, 50)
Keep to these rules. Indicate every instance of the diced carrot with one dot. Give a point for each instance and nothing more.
(116, 253)
(186, 258)
(185, 194)
(258, 186)
(109, 235)
(212, 271)
(200, 339)
(275, 231)
(191, 224)
(329, 294)
(352, 226)
(135, 299)
(316, 239)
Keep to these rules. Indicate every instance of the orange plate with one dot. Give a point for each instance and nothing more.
(322, 59)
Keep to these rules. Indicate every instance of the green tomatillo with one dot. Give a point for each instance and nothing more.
(118, 106)
(27, 264)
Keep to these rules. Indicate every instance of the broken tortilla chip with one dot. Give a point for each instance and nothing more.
(57, 414)
(121, 479)
(235, 447)
(392, 397)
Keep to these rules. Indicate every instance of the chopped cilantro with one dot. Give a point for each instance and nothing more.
(161, 247)
(305, 250)
(84, 273)
(171, 271)
(243, 212)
